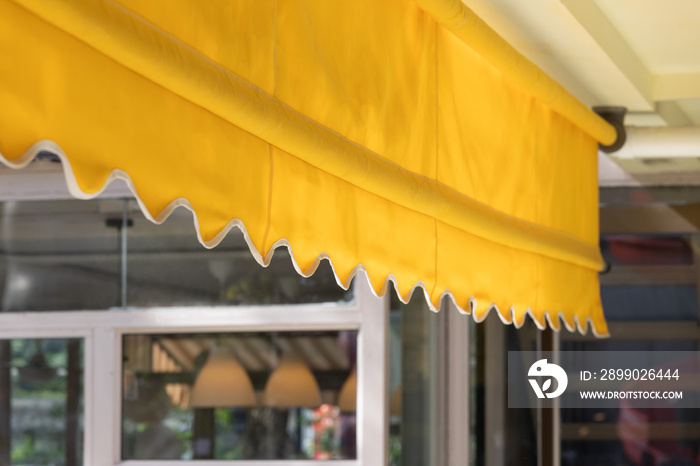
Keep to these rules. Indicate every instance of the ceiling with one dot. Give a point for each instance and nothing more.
(640, 54)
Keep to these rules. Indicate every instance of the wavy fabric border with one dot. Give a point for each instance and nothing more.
(556, 323)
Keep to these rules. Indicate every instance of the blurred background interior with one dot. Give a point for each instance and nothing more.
(276, 395)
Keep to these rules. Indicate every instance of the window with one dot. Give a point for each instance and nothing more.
(243, 395)
(41, 402)
(147, 307)
(75, 255)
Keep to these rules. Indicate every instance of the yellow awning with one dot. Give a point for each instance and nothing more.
(401, 136)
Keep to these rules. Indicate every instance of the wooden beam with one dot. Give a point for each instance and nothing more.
(675, 86)
(608, 37)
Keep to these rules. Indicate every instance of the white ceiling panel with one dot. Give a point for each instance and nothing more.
(664, 34)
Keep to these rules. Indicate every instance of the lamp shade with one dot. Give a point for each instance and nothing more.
(222, 382)
(292, 385)
(347, 398)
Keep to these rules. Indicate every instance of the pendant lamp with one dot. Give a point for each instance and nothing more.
(347, 398)
(292, 385)
(222, 382)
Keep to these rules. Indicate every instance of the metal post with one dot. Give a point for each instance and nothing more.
(123, 232)
(122, 224)
(549, 421)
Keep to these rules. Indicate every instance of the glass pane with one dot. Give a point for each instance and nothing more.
(167, 266)
(59, 255)
(68, 255)
(41, 402)
(286, 395)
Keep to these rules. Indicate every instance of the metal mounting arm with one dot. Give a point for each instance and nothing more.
(616, 117)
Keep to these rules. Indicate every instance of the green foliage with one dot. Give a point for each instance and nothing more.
(327, 441)
(39, 401)
(27, 453)
(394, 450)
(24, 451)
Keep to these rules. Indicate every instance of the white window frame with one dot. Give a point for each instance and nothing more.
(102, 332)
(10, 331)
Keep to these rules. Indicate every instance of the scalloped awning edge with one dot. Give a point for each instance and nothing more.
(556, 320)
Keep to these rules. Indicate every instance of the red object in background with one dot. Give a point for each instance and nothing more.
(324, 422)
(639, 250)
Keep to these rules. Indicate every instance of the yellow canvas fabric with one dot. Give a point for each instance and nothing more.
(370, 132)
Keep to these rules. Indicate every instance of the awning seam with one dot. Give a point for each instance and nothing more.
(268, 213)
